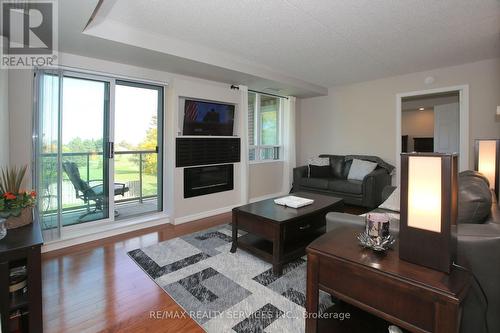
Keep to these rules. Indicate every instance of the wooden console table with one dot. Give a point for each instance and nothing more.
(413, 297)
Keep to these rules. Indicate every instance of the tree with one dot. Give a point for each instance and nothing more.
(150, 163)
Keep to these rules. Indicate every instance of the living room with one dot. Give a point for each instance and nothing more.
(143, 146)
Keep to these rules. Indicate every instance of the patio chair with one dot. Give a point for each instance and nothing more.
(88, 193)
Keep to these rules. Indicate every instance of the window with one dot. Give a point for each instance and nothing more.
(264, 127)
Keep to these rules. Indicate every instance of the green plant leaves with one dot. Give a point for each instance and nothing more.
(11, 179)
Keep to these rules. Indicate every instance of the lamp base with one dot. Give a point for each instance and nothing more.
(429, 249)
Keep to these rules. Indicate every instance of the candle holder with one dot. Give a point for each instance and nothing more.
(376, 235)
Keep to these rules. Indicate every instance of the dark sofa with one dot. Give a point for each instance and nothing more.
(367, 193)
(478, 236)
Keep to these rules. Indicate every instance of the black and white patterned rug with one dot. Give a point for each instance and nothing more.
(227, 292)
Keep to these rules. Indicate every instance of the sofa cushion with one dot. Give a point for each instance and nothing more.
(359, 169)
(472, 173)
(337, 166)
(316, 171)
(474, 199)
(346, 169)
(319, 183)
(346, 186)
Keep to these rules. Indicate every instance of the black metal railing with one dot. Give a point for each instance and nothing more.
(87, 159)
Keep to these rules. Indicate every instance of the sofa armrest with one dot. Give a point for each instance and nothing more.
(373, 185)
(335, 220)
(479, 250)
(299, 172)
(387, 191)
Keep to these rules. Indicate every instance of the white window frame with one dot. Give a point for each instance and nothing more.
(257, 129)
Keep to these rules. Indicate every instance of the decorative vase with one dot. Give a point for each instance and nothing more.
(25, 218)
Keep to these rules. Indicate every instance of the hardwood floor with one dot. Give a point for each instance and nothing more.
(96, 287)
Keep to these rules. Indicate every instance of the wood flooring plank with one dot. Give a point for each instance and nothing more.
(96, 287)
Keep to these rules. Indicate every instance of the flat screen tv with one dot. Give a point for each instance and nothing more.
(208, 118)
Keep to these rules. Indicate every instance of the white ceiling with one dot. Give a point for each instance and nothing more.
(308, 44)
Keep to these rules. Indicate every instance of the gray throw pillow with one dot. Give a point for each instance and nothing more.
(359, 169)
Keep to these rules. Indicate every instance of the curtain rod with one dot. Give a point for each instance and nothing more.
(105, 74)
(259, 92)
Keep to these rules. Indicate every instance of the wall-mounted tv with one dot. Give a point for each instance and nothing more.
(208, 118)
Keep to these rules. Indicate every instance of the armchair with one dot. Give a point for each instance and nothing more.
(88, 193)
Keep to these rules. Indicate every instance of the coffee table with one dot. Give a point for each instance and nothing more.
(279, 234)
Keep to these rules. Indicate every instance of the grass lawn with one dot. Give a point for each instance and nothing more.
(126, 171)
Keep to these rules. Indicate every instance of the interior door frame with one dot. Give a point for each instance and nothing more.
(463, 90)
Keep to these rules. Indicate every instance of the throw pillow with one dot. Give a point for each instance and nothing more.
(319, 161)
(359, 169)
(337, 166)
(346, 169)
(316, 171)
(392, 202)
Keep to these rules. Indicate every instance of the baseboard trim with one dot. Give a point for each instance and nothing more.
(202, 215)
(267, 196)
(101, 234)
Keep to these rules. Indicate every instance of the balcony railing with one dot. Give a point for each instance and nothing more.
(70, 202)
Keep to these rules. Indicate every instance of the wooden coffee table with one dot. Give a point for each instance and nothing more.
(279, 234)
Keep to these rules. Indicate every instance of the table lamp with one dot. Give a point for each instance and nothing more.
(487, 161)
(429, 192)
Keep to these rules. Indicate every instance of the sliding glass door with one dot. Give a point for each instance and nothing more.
(138, 137)
(84, 131)
(98, 150)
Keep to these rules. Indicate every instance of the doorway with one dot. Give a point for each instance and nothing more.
(433, 121)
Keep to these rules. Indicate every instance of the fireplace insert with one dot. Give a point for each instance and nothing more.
(208, 179)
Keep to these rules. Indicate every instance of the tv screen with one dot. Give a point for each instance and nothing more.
(207, 118)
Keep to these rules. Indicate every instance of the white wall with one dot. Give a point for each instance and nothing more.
(4, 118)
(201, 89)
(21, 105)
(361, 118)
(265, 179)
(20, 118)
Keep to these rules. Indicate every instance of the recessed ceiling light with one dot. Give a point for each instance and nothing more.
(421, 109)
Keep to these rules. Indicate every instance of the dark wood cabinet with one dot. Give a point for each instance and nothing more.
(21, 247)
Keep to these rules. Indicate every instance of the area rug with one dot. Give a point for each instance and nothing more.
(223, 291)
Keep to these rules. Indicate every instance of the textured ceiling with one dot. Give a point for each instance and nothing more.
(327, 42)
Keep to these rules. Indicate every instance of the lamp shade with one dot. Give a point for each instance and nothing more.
(424, 193)
(487, 161)
(428, 209)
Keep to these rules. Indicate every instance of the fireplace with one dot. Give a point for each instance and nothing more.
(207, 179)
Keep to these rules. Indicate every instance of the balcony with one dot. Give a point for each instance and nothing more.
(136, 169)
